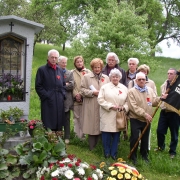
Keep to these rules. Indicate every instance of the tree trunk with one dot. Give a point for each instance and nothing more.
(64, 46)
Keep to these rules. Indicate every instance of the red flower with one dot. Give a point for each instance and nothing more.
(120, 92)
(148, 99)
(61, 165)
(51, 165)
(83, 73)
(102, 80)
(79, 160)
(70, 165)
(77, 164)
(93, 167)
(54, 178)
(58, 77)
(89, 178)
(71, 156)
(42, 178)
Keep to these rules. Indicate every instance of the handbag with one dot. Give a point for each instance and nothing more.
(121, 120)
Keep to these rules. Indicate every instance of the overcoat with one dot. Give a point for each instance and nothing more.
(68, 103)
(78, 75)
(90, 107)
(109, 96)
(50, 87)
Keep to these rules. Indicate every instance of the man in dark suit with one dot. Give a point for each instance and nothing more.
(50, 87)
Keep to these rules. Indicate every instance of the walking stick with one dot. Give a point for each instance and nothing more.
(144, 130)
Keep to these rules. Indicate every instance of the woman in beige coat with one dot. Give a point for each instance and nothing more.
(112, 97)
(78, 74)
(90, 85)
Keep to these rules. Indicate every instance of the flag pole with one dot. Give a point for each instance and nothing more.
(144, 130)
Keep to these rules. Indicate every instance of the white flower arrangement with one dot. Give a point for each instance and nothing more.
(69, 168)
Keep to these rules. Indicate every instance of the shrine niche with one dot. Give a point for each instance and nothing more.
(16, 55)
(12, 63)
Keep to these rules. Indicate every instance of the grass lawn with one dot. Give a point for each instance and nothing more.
(161, 166)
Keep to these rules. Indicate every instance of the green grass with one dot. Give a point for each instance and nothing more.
(161, 166)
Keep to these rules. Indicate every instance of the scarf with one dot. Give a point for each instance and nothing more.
(64, 70)
(80, 69)
(52, 66)
(144, 89)
(98, 76)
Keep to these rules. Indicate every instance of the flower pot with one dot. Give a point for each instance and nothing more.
(18, 126)
(22, 133)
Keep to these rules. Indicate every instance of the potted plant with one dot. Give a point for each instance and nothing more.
(11, 118)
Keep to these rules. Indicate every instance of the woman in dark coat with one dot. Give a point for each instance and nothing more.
(50, 87)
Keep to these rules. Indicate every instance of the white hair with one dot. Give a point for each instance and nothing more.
(140, 74)
(61, 58)
(114, 55)
(115, 72)
(136, 60)
(53, 51)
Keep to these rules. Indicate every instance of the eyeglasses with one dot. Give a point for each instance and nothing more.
(141, 79)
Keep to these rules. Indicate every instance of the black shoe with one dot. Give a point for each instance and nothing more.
(134, 161)
(106, 156)
(114, 157)
(146, 160)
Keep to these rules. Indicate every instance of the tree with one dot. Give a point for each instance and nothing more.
(163, 20)
(115, 28)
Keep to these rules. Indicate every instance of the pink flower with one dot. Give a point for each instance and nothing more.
(31, 127)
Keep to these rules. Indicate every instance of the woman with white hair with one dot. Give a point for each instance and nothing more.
(112, 97)
(112, 61)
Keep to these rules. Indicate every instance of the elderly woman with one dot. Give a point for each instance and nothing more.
(150, 83)
(112, 97)
(78, 74)
(68, 103)
(90, 85)
(112, 61)
(132, 68)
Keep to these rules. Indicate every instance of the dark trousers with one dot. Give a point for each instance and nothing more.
(67, 125)
(169, 120)
(110, 142)
(136, 128)
(93, 140)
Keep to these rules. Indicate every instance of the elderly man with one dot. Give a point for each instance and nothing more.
(112, 61)
(168, 119)
(50, 87)
(140, 101)
(131, 72)
(68, 103)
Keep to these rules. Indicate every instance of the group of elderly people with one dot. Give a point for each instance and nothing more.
(95, 97)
